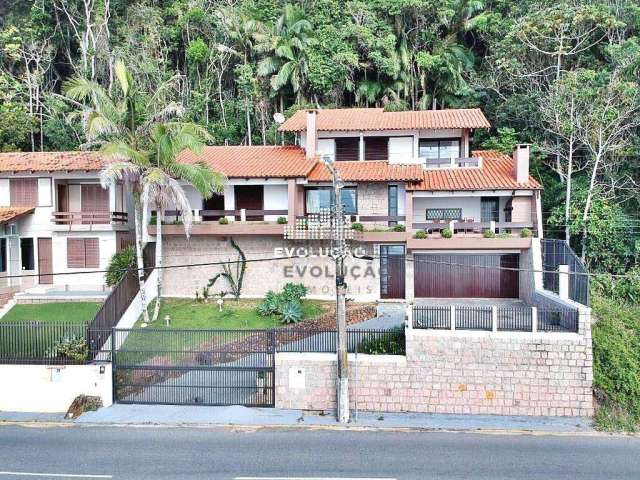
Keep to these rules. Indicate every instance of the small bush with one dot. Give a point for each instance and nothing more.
(291, 312)
(294, 291)
(358, 227)
(489, 234)
(72, 348)
(223, 220)
(525, 233)
(153, 220)
(120, 262)
(503, 235)
(270, 305)
(420, 234)
(282, 220)
(398, 228)
(446, 233)
(391, 343)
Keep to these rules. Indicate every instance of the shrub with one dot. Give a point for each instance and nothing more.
(358, 227)
(291, 312)
(270, 305)
(420, 234)
(153, 220)
(391, 343)
(626, 289)
(223, 220)
(489, 234)
(70, 347)
(503, 235)
(121, 261)
(446, 233)
(525, 233)
(398, 228)
(282, 220)
(294, 291)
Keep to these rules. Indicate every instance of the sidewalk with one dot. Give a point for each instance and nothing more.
(169, 415)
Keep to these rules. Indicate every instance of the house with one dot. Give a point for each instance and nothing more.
(415, 169)
(56, 217)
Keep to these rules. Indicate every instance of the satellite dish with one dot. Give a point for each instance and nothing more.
(278, 118)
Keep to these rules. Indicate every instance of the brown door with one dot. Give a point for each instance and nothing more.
(466, 276)
(63, 198)
(249, 197)
(45, 261)
(392, 271)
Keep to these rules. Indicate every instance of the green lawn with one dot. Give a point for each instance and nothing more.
(66, 312)
(186, 314)
(37, 327)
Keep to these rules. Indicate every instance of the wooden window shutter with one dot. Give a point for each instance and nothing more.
(75, 252)
(23, 192)
(347, 148)
(83, 253)
(376, 148)
(92, 253)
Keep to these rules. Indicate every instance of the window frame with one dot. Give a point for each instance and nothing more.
(350, 187)
(85, 264)
(3, 254)
(392, 209)
(439, 140)
(22, 254)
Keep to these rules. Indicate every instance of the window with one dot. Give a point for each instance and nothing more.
(489, 209)
(393, 203)
(376, 148)
(83, 253)
(318, 198)
(440, 149)
(347, 148)
(23, 192)
(3, 254)
(26, 253)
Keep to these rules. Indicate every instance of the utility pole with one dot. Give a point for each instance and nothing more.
(339, 252)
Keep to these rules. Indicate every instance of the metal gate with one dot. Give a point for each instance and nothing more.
(194, 367)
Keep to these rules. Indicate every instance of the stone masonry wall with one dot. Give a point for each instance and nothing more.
(453, 372)
(373, 200)
(315, 272)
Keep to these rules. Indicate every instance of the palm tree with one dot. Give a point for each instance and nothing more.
(124, 131)
(161, 185)
(288, 46)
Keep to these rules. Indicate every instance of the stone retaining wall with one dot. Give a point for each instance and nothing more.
(453, 372)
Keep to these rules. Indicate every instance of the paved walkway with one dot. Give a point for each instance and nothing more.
(170, 415)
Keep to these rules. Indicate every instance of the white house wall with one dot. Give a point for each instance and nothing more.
(470, 206)
(45, 192)
(276, 197)
(5, 197)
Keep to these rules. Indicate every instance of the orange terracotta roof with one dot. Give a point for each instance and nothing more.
(11, 213)
(359, 119)
(368, 171)
(496, 173)
(50, 161)
(254, 162)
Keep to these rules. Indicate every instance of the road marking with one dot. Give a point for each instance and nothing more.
(313, 478)
(58, 475)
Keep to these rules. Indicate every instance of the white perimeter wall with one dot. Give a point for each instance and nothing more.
(47, 388)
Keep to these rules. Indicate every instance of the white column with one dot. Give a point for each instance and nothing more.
(243, 215)
(492, 226)
(563, 281)
(534, 319)
(361, 147)
(409, 315)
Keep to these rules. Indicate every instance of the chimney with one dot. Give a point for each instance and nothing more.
(312, 134)
(521, 163)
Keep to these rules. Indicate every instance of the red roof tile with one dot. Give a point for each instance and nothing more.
(255, 161)
(10, 213)
(50, 161)
(496, 173)
(343, 119)
(368, 171)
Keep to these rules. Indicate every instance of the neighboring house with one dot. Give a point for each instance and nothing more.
(417, 169)
(55, 217)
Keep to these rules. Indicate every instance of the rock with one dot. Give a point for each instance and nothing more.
(83, 403)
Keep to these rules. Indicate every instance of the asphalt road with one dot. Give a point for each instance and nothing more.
(190, 453)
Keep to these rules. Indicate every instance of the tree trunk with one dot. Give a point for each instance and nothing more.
(246, 107)
(587, 207)
(140, 261)
(160, 218)
(567, 206)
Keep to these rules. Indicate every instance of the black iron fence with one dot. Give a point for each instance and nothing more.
(376, 342)
(44, 343)
(557, 252)
(506, 318)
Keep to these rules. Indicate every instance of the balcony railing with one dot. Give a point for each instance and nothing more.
(452, 162)
(242, 215)
(89, 218)
(470, 226)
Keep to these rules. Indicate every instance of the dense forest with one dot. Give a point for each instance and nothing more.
(560, 75)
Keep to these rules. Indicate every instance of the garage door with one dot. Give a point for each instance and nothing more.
(466, 275)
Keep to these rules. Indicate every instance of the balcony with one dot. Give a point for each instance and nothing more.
(473, 162)
(89, 221)
(238, 222)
